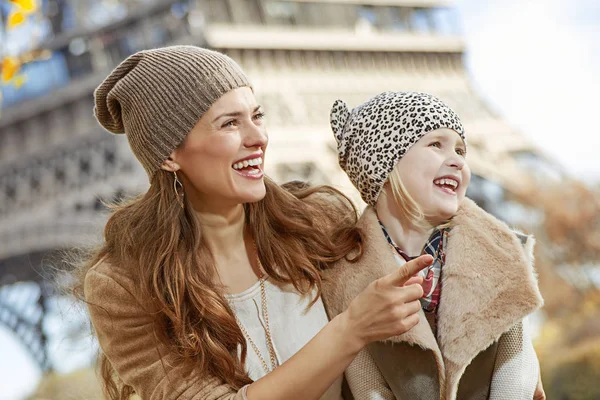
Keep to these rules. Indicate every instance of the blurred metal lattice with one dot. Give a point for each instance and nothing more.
(22, 309)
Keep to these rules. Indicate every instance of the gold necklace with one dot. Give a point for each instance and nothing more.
(270, 346)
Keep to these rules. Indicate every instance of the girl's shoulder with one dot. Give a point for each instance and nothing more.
(471, 216)
(527, 241)
(524, 238)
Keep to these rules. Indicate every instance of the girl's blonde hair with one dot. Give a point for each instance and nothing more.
(407, 206)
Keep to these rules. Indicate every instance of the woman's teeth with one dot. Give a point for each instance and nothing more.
(248, 163)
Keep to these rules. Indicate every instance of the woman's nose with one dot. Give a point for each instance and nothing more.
(256, 136)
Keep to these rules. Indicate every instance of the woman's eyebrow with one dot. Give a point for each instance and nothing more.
(235, 113)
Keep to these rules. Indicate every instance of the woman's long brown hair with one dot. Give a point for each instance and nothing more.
(298, 230)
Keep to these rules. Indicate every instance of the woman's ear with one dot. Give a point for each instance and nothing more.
(170, 165)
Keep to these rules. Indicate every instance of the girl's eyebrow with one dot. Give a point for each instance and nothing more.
(438, 136)
(441, 137)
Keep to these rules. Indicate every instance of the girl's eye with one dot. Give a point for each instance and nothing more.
(436, 144)
(461, 152)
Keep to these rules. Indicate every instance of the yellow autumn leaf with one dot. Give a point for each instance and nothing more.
(19, 80)
(15, 19)
(10, 65)
(26, 5)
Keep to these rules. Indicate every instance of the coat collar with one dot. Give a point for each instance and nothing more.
(488, 285)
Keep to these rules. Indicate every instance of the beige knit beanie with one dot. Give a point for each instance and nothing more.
(156, 97)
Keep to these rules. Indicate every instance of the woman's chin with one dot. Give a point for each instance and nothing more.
(256, 194)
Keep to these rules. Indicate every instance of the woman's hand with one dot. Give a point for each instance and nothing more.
(387, 307)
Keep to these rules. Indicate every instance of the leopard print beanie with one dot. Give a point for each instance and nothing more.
(375, 135)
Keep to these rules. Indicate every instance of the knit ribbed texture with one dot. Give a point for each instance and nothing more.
(157, 96)
(365, 379)
(517, 367)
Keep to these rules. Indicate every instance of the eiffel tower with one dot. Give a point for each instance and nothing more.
(57, 166)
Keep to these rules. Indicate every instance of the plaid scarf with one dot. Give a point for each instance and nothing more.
(432, 284)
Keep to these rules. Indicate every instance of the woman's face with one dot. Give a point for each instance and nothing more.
(435, 173)
(221, 160)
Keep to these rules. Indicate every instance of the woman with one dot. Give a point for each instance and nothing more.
(208, 285)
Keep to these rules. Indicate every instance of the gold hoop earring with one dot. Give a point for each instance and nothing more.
(179, 197)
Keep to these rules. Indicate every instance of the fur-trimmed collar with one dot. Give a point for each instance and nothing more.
(488, 285)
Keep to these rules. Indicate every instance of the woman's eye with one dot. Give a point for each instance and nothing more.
(229, 124)
(259, 116)
(436, 144)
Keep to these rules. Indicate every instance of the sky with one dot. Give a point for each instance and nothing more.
(535, 63)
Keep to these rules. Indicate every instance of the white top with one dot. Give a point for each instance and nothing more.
(290, 323)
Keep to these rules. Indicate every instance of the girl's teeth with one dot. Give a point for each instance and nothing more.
(448, 182)
(245, 164)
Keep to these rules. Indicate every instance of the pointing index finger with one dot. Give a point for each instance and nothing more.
(406, 271)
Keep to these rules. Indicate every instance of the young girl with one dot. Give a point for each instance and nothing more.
(406, 154)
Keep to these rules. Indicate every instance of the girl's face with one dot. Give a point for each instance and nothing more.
(222, 158)
(435, 174)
